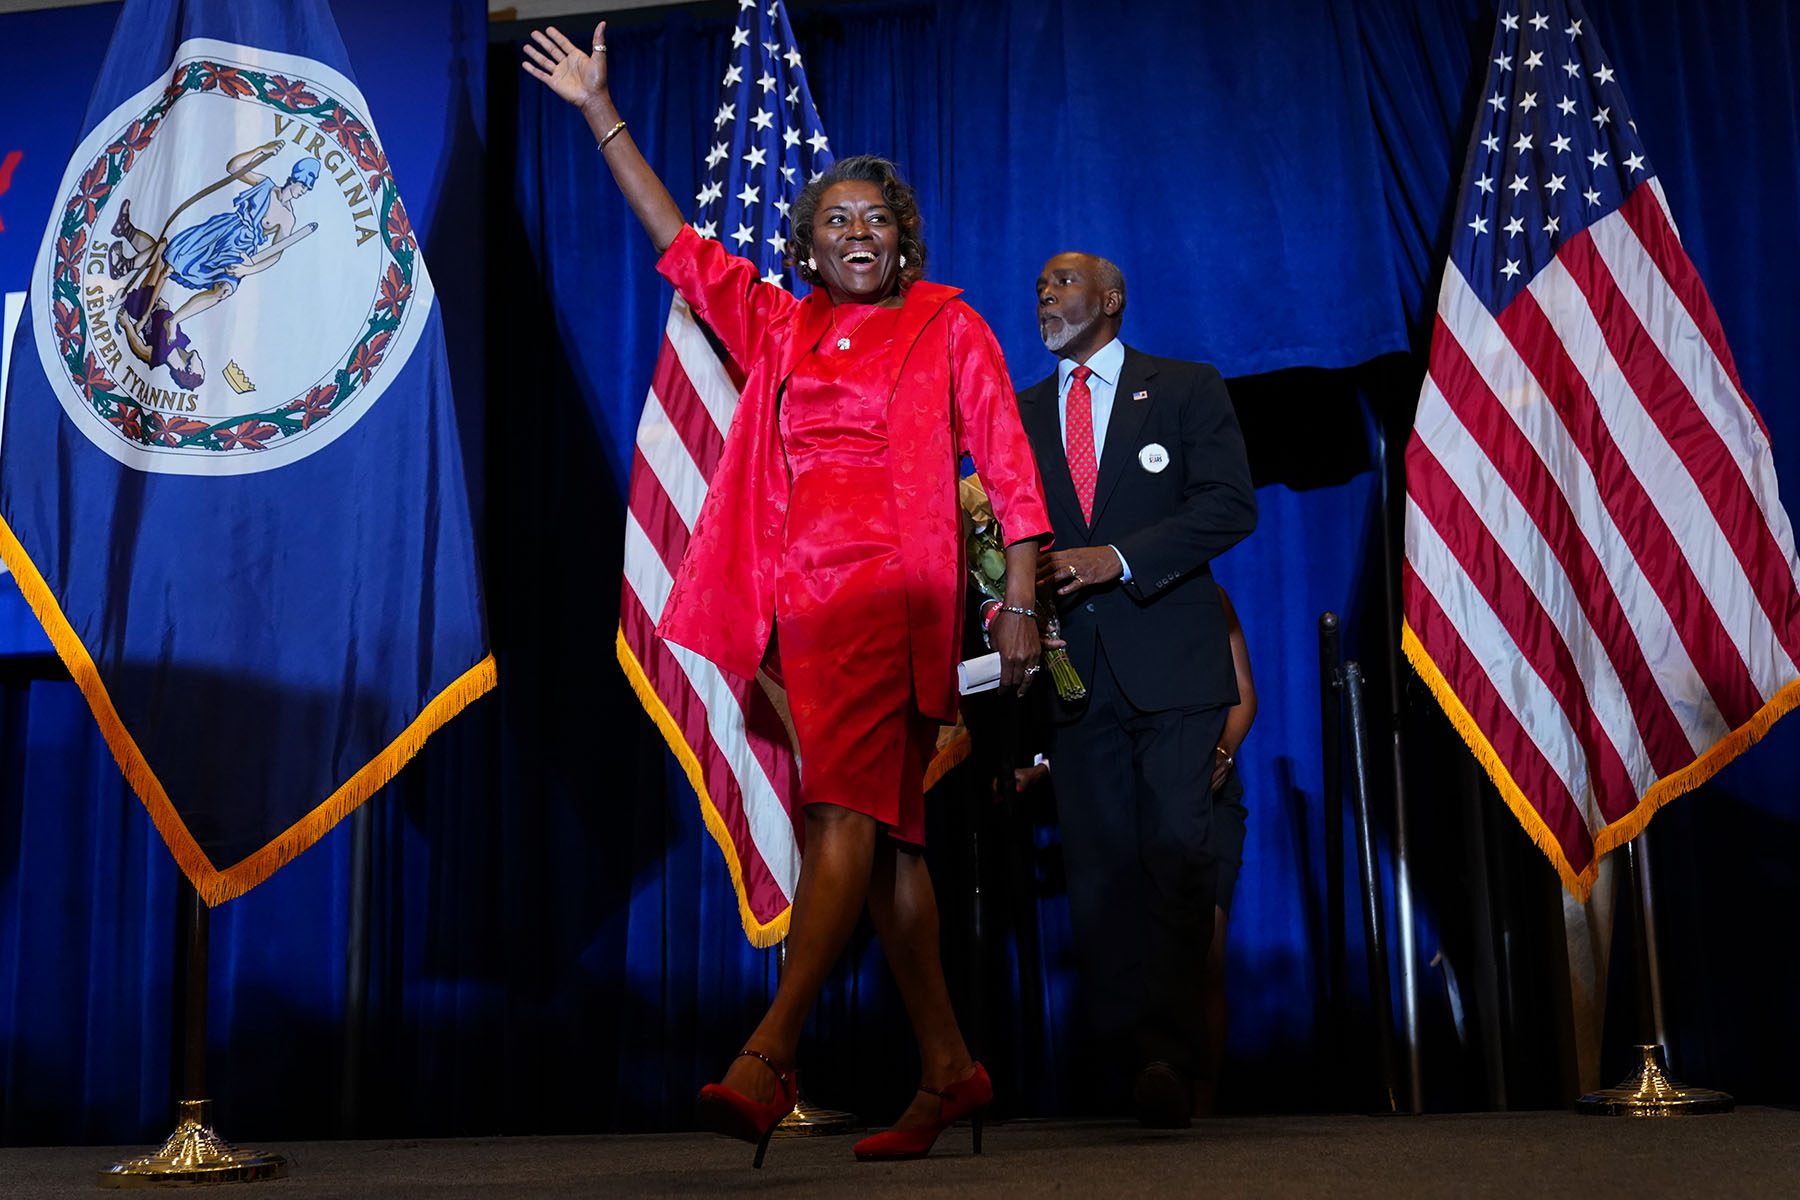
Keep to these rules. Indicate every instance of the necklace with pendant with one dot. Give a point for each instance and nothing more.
(843, 342)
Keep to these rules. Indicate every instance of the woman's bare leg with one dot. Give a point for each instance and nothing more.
(834, 884)
(903, 905)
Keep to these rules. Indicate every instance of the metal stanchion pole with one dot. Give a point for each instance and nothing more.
(1331, 751)
(1649, 1091)
(807, 1120)
(1403, 901)
(194, 1154)
(1373, 923)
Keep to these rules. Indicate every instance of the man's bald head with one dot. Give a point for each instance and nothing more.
(1081, 303)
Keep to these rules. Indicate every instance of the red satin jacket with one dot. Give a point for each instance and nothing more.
(951, 394)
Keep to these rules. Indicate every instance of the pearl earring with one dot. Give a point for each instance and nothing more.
(811, 265)
(903, 262)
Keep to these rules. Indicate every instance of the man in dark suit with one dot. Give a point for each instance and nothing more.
(1145, 474)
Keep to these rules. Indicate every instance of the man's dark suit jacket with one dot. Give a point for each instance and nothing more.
(1164, 632)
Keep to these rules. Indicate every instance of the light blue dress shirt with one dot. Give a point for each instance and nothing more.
(1103, 385)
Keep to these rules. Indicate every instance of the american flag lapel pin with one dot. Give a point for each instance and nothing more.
(1140, 395)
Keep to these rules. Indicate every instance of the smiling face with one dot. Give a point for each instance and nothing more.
(856, 243)
(1076, 315)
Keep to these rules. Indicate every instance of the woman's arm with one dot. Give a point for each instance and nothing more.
(581, 79)
(725, 291)
(1240, 716)
(1014, 635)
(987, 416)
(240, 164)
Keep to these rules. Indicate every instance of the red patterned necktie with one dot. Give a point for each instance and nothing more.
(1078, 440)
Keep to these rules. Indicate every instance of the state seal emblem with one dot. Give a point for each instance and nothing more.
(230, 279)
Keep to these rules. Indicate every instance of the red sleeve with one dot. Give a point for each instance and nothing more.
(988, 427)
(724, 290)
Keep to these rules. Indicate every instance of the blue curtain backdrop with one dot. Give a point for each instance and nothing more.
(553, 942)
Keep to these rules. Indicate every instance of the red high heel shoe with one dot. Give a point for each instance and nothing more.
(725, 1111)
(965, 1098)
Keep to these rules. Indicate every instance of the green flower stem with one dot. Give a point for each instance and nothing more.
(1063, 674)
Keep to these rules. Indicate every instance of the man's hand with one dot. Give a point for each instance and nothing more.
(1068, 571)
(1025, 778)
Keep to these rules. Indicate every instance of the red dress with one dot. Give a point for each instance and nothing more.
(832, 515)
(840, 599)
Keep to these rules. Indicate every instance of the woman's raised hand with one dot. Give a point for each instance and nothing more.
(577, 76)
(580, 78)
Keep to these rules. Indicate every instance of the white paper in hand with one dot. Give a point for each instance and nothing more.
(978, 674)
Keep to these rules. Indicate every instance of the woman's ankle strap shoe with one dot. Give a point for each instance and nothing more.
(733, 1114)
(968, 1097)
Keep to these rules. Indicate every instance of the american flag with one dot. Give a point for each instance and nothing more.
(766, 144)
(1599, 579)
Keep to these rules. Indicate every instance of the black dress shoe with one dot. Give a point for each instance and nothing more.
(1162, 1098)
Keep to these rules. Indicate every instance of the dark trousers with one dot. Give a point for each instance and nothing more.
(1134, 802)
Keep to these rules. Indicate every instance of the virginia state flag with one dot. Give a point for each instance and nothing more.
(230, 483)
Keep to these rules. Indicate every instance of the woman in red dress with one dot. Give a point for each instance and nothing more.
(831, 522)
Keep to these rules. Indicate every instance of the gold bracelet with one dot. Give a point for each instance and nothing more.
(612, 133)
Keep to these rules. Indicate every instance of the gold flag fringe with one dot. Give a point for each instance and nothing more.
(762, 935)
(216, 886)
(1615, 833)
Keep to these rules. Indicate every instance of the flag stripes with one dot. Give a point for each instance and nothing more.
(1600, 582)
(1702, 476)
(1591, 621)
(1560, 442)
(1637, 551)
(1649, 219)
(1513, 759)
(1543, 644)
(741, 776)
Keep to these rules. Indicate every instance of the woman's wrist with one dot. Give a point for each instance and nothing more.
(600, 112)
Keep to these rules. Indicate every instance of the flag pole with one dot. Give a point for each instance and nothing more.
(193, 1154)
(1649, 1091)
(1651, 962)
(356, 973)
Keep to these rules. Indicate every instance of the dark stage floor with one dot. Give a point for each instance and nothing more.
(1754, 1152)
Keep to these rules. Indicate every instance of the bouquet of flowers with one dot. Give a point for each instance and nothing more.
(985, 548)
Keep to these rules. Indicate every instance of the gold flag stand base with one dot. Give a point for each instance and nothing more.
(194, 1155)
(807, 1121)
(1649, 1092)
